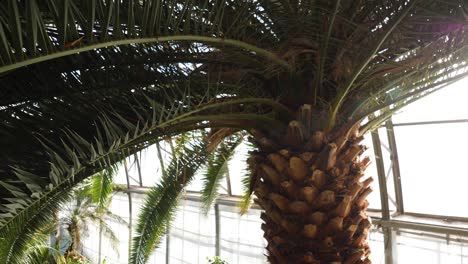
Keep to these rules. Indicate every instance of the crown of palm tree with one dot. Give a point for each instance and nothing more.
(87, 83)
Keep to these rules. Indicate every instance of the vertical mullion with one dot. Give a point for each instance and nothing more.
(168, 243)
(390, 250)
(130, 209)
(228, 183)
(218, 230)
(395, 166)
(389, 237)
(140, 177)
(381, 175)
(100, 243)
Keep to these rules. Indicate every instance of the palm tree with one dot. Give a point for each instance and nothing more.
(88, 83)
(90, 205)
(81, 212)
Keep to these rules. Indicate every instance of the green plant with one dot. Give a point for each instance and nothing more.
(88, 83)
(90, 204)
(77, 260)
(216, 260)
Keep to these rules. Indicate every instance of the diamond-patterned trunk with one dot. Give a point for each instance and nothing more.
(313, 196)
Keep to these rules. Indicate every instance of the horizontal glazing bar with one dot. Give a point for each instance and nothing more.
(435, 122)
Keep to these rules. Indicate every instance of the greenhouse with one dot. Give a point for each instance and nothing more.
(233, 132)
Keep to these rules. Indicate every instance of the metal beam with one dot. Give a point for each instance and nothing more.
(168, 243)
(395, 167)
(389, 239)
(228, 183)
(390, 245)
(218, 231)
(444, 218)
(381, 175)
(432, 122)
(422, 227)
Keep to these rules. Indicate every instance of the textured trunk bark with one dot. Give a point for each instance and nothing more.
(75, 235)
(313, 195)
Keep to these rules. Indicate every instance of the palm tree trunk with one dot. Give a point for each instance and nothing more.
(312, 194)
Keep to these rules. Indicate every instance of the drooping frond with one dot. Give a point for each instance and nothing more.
(217, 167)
(161, 201)
(39, 251)
(101, 186)
(85, 146)
(248, 181)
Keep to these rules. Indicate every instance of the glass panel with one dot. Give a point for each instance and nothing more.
(433, 168)
(196, 185)
(419, 247)
(159, 255)
(192, 235)
(376, 243)
(241, 236)
(448, 103)
(238, 168)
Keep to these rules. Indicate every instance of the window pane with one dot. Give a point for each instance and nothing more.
(376, 243)
(241, 236)
(430, 248)
(450, 102)
(433, 168)
(192, 235)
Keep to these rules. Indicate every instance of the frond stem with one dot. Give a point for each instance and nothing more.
(215, 40)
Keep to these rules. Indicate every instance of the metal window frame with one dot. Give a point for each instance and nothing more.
(395, 167)
(388, 233)
(433, 122)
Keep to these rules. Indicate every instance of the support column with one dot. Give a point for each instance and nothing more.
(389, 234)
(395, 167)
(218, 231)
(168, 248)
(390, 245)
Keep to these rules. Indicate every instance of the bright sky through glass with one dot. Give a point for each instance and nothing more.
(433, 157)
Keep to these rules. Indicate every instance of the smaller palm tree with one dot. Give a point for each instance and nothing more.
(86, 209)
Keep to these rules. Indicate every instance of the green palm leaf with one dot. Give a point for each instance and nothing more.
(161, 201)
(217, 168)
(101, 186)
(38, 33)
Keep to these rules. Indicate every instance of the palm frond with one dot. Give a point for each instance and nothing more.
(70, 163)
(101, 186)
(161, 201)
(39, 252)
(248, 180)
(32, 32)
(217, 168)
